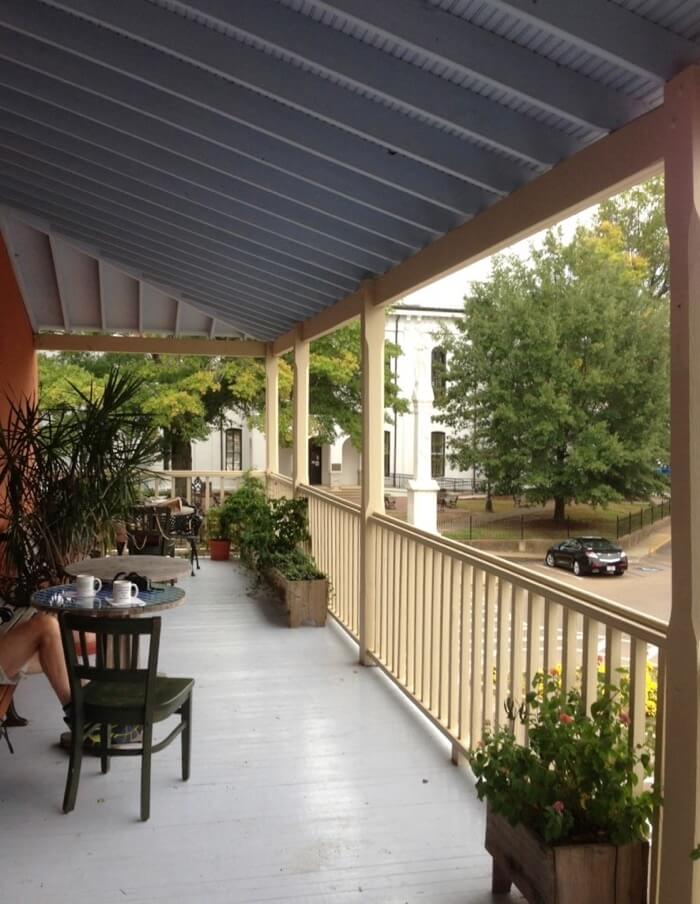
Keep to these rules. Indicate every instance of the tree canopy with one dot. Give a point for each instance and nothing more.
(186, 396)
(558, 373)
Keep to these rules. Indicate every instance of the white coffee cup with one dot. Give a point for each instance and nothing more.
(87, 585)
(123, 591)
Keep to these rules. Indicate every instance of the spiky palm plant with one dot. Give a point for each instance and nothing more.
(64, 478)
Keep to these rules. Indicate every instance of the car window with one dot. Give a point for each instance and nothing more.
(600, 545)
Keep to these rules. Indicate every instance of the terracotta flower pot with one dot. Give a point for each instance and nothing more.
(565, 873)
(219, 550)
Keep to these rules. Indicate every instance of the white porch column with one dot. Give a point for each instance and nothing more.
(422, 490)
(300, 461)
(680, 877)
(272, 433)
(372, 462)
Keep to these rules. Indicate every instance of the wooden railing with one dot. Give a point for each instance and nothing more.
(215, 485)
(279, 486)
(334, 525)
(460, 631)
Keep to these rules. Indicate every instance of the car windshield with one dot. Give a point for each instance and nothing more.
(598, 544)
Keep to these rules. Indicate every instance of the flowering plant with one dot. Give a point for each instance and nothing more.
(577, 780)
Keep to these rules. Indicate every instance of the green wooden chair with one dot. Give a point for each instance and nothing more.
(119, 693)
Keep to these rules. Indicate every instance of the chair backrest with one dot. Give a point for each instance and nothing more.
(117, 648)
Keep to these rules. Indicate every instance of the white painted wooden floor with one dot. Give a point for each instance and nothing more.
(312, 781)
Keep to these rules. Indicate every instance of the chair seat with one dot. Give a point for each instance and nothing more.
(105, 701)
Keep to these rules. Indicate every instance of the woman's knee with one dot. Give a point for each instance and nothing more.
(46, 626)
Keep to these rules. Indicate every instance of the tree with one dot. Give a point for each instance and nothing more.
(639, 214)
(558, 374)
(185, 396)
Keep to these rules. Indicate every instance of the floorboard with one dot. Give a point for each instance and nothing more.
(313, 780)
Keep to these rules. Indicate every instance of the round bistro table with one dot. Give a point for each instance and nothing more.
(158, 569)
(63, 598)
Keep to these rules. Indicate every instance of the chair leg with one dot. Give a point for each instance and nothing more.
(146, 771)
(76, 757)
(105, 735)
(186, 737)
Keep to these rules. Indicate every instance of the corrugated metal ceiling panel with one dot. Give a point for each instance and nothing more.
(262, 158)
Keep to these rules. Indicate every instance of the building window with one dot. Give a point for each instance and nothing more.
(234, 447)
(387, 453)
(438, 372)
(437, 454)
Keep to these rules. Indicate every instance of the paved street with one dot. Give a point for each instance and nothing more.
(646, 586)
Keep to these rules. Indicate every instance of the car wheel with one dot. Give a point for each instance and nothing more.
(577, 568)
(549, 560)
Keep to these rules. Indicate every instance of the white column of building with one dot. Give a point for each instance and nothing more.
(680, 877)
(300, 462)
(422, 490)
(272, 448)
(372, 463)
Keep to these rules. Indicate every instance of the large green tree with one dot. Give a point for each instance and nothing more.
(640, 216)
(558, 373)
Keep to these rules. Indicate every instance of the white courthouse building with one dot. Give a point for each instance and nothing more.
(415, 326)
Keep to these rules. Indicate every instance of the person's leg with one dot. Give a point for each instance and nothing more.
(38, 639)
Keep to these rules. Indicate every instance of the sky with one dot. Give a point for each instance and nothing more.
(449, 292)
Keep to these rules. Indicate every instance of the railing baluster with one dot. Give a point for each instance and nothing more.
(411, 583)
(466, 654)
(569, 654)
(589, 670)
(402, 664)
(491, 607)
(613, 655)
(445, 651)
(503, 649)
(517, 653)
(535, 617)
(420, 623)
(638, 692)
(659, 765)
(436, 636)
(428, 627)
(552, 616)
(477, 700)
(454, 644)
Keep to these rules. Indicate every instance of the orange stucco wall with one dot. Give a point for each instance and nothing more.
(18, 365)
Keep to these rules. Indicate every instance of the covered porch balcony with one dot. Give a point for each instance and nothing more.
(313, 780)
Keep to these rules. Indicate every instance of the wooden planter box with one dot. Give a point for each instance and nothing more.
(306, 601)
(567, 873)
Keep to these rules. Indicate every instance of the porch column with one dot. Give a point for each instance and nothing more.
(372, 462)
(300, 463)
(680, 877)
(272, 433)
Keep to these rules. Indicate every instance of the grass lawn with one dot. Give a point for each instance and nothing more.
(510, 521)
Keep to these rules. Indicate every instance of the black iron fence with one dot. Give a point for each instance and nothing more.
(463, 525)
(453, 484)
(647, 515)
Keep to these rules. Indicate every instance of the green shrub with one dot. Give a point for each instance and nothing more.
(577, 780)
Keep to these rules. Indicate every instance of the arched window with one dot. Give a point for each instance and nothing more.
(438, 372)
(437, 455)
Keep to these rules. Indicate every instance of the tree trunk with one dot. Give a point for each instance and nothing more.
(181, 460)
(489, 499)
(559, 508)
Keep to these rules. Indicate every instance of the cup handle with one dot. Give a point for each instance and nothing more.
(98, 585)
(134, 590)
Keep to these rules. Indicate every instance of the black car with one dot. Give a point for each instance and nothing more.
(587, 555)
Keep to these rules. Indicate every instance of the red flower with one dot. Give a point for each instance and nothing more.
(565, 718)
(558, 806)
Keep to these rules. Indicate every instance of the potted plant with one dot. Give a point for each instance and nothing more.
(219, 533)
(67, 477)
(567, 817)
(270, 534)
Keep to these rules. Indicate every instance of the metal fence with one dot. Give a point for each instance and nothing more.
(455, 484)
(462, 525)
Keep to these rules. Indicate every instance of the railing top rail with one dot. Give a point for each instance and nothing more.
(331, 498)
(281, 478)
(615, 615)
